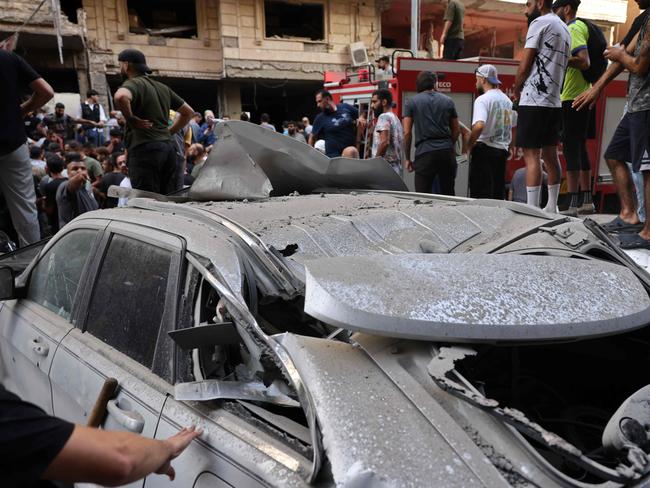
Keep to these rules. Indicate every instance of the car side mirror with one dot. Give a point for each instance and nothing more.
(7, 283)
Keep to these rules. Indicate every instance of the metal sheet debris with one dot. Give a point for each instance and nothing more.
(475, 298)
(249, 161)
(233, 390)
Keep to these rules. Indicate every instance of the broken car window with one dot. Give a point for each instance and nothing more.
(54, 281)
(127, 304)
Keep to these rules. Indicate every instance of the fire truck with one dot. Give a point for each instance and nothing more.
(457, 79)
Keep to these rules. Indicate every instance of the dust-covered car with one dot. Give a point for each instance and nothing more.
(368, 338)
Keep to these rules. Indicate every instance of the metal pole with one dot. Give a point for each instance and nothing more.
(415, 26)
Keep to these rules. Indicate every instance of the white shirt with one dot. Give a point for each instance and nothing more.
(125, 183)
(494, 109)
(102, 114)
(550, 37)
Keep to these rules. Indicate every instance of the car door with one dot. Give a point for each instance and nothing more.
(131, 302)
(33, 326)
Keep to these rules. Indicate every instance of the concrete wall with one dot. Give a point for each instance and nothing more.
(249, 54)
(108, 33)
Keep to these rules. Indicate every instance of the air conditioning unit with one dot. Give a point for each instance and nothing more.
(359, 54)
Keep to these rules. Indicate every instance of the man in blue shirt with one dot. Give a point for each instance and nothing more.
(336, 124)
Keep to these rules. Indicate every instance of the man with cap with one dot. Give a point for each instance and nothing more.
(491, 136)
(384, 69)
(145, 104)
(537, 87)
(575, 124)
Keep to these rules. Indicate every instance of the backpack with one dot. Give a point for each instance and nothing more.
(596, 45)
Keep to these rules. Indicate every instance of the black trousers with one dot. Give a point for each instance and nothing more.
(487, 172)
(427, 166)
(152, 167)
(453, 48)
(575, 127)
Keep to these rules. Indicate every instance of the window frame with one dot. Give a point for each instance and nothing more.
(307, 40)
(24, 280)
(154, 237)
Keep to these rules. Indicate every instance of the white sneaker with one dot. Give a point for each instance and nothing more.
(587, 209)
(571, 212)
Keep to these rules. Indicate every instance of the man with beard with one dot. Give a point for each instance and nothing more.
(575, 124)
(145, 104)
(491, 136)
(336, 124)
(631, 140)
(292, 131)
(537, 87)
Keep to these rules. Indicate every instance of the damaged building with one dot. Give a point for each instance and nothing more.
(251, 55)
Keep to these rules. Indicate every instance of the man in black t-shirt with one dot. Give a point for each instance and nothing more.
(55, 166)
(36, 447)
(112, 176)
(16, 183)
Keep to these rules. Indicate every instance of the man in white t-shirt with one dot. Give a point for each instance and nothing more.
(537, 87)
(491, 136)
(388, 134)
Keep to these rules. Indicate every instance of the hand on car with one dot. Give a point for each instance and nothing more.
(177, 444)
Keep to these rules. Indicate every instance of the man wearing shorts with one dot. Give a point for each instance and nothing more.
(576, 123)
(631, 140)
(537, 87)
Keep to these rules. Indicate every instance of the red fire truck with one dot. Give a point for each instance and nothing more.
(457, 79)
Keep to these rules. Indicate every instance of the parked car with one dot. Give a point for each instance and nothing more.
(352, 339)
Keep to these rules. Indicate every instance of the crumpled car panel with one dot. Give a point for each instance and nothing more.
(475, 298)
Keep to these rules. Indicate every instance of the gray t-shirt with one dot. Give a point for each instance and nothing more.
(432, 113)
(639, 88)
(71, 205)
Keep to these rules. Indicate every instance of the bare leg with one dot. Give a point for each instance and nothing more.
(552, 163)
(645, 233)
(625, 190)
(533, 167)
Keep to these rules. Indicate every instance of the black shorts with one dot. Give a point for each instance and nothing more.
(538, 126)
(631, 141)
(575, 123)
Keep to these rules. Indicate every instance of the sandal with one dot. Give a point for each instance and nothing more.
(633, 241)
(619, 225)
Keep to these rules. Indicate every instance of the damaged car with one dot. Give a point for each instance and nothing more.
(365, 337)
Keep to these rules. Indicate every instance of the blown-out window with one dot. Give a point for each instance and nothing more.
(168, 18)
(294, 19)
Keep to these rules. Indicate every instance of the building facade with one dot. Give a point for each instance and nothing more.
(252, 55)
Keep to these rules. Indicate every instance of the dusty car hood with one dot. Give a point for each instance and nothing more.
(475, 298)
(373, 434)
(249, 161)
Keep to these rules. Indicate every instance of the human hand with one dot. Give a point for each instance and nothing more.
(139, 123)
(615, 53)
(408, 165)
(176, 445)
(586, 99)
(443, 38)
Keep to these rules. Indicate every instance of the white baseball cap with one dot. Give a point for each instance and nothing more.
(489, 72)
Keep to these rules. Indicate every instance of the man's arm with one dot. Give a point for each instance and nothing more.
(445, 31)
(76, 182)
(183, 119)
(123, 98)
(587, 99)
(523, 71)
(580, 60)
(384, 141)
(42, 93)
(454, 125)
(477, 129)
(312, 140)
(407, 124)
(638, 65)
(115, 458)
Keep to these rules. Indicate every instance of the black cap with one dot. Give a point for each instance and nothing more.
(136, 58)
(564, 3)
(383, 58)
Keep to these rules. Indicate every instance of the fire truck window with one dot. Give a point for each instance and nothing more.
(304, 20)
(162, 18)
